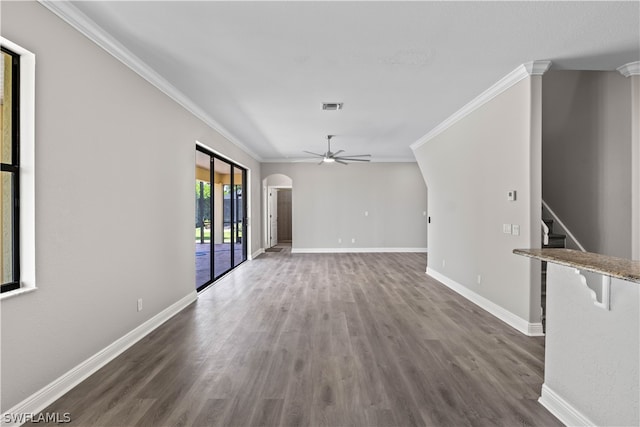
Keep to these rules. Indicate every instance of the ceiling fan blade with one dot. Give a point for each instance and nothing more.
(315, 154)
(334, 157)
(351, 160)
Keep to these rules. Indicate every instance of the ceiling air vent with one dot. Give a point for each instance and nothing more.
(332, 106)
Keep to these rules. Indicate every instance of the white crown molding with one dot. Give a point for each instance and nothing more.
(516, 322)
(630, 69)
(53, 391)
(534, 68)
(537, 68)
(562, 409)
(78, 20)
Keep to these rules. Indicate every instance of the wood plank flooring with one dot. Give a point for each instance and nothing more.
(321, 340)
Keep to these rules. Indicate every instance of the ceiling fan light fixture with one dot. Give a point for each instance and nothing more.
(332, 106)
(337, 157)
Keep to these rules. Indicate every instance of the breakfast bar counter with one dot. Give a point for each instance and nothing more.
(621, 268)
(592, 342)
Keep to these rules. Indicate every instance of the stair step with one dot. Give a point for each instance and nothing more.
(548, 222)
(555, 244)
(556, 241)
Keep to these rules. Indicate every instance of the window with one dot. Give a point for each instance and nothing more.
(10, 176)
(17, 173)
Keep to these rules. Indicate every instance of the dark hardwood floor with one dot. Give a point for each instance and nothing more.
(322, 340)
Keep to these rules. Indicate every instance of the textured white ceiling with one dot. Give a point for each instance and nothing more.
(263, 69)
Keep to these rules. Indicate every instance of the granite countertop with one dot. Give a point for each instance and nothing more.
(621, 268)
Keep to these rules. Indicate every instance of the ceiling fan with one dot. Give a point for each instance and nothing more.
(330, 157)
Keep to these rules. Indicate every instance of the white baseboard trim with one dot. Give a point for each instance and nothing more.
(53, 391)
(354, 250)
(501, 313)
(562, 409)
(535, 330)
(257, 253)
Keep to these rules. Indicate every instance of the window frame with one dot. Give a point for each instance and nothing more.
(13, 168)
(23, 169)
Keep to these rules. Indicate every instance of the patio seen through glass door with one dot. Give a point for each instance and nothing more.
(220, 223)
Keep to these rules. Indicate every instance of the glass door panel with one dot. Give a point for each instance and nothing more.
(222, 217)
(239, 215)
(203, 219)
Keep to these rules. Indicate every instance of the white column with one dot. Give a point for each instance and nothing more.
(536, 70)
(632, 71)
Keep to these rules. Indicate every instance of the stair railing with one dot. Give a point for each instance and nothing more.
(545, 232)
(572, 242)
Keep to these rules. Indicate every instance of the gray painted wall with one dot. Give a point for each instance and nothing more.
(586, 150)
(469, 168)
(329, 203)
(115, 204)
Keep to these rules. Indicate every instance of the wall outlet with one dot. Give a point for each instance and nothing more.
(339, 240)
(366, 213)
(353, 240)
(139, 304)
(479, 279)
(444, 263)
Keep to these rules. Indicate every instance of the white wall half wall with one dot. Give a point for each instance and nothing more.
(491, 148)
(591, 371)
(115, 210)
(356, 208)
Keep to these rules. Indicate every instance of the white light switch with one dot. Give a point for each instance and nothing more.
(515, 230)
(511, 195)
(506, 228)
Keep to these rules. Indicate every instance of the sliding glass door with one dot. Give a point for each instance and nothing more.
(220, 217)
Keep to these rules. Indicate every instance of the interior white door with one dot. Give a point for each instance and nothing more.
(273, 217)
